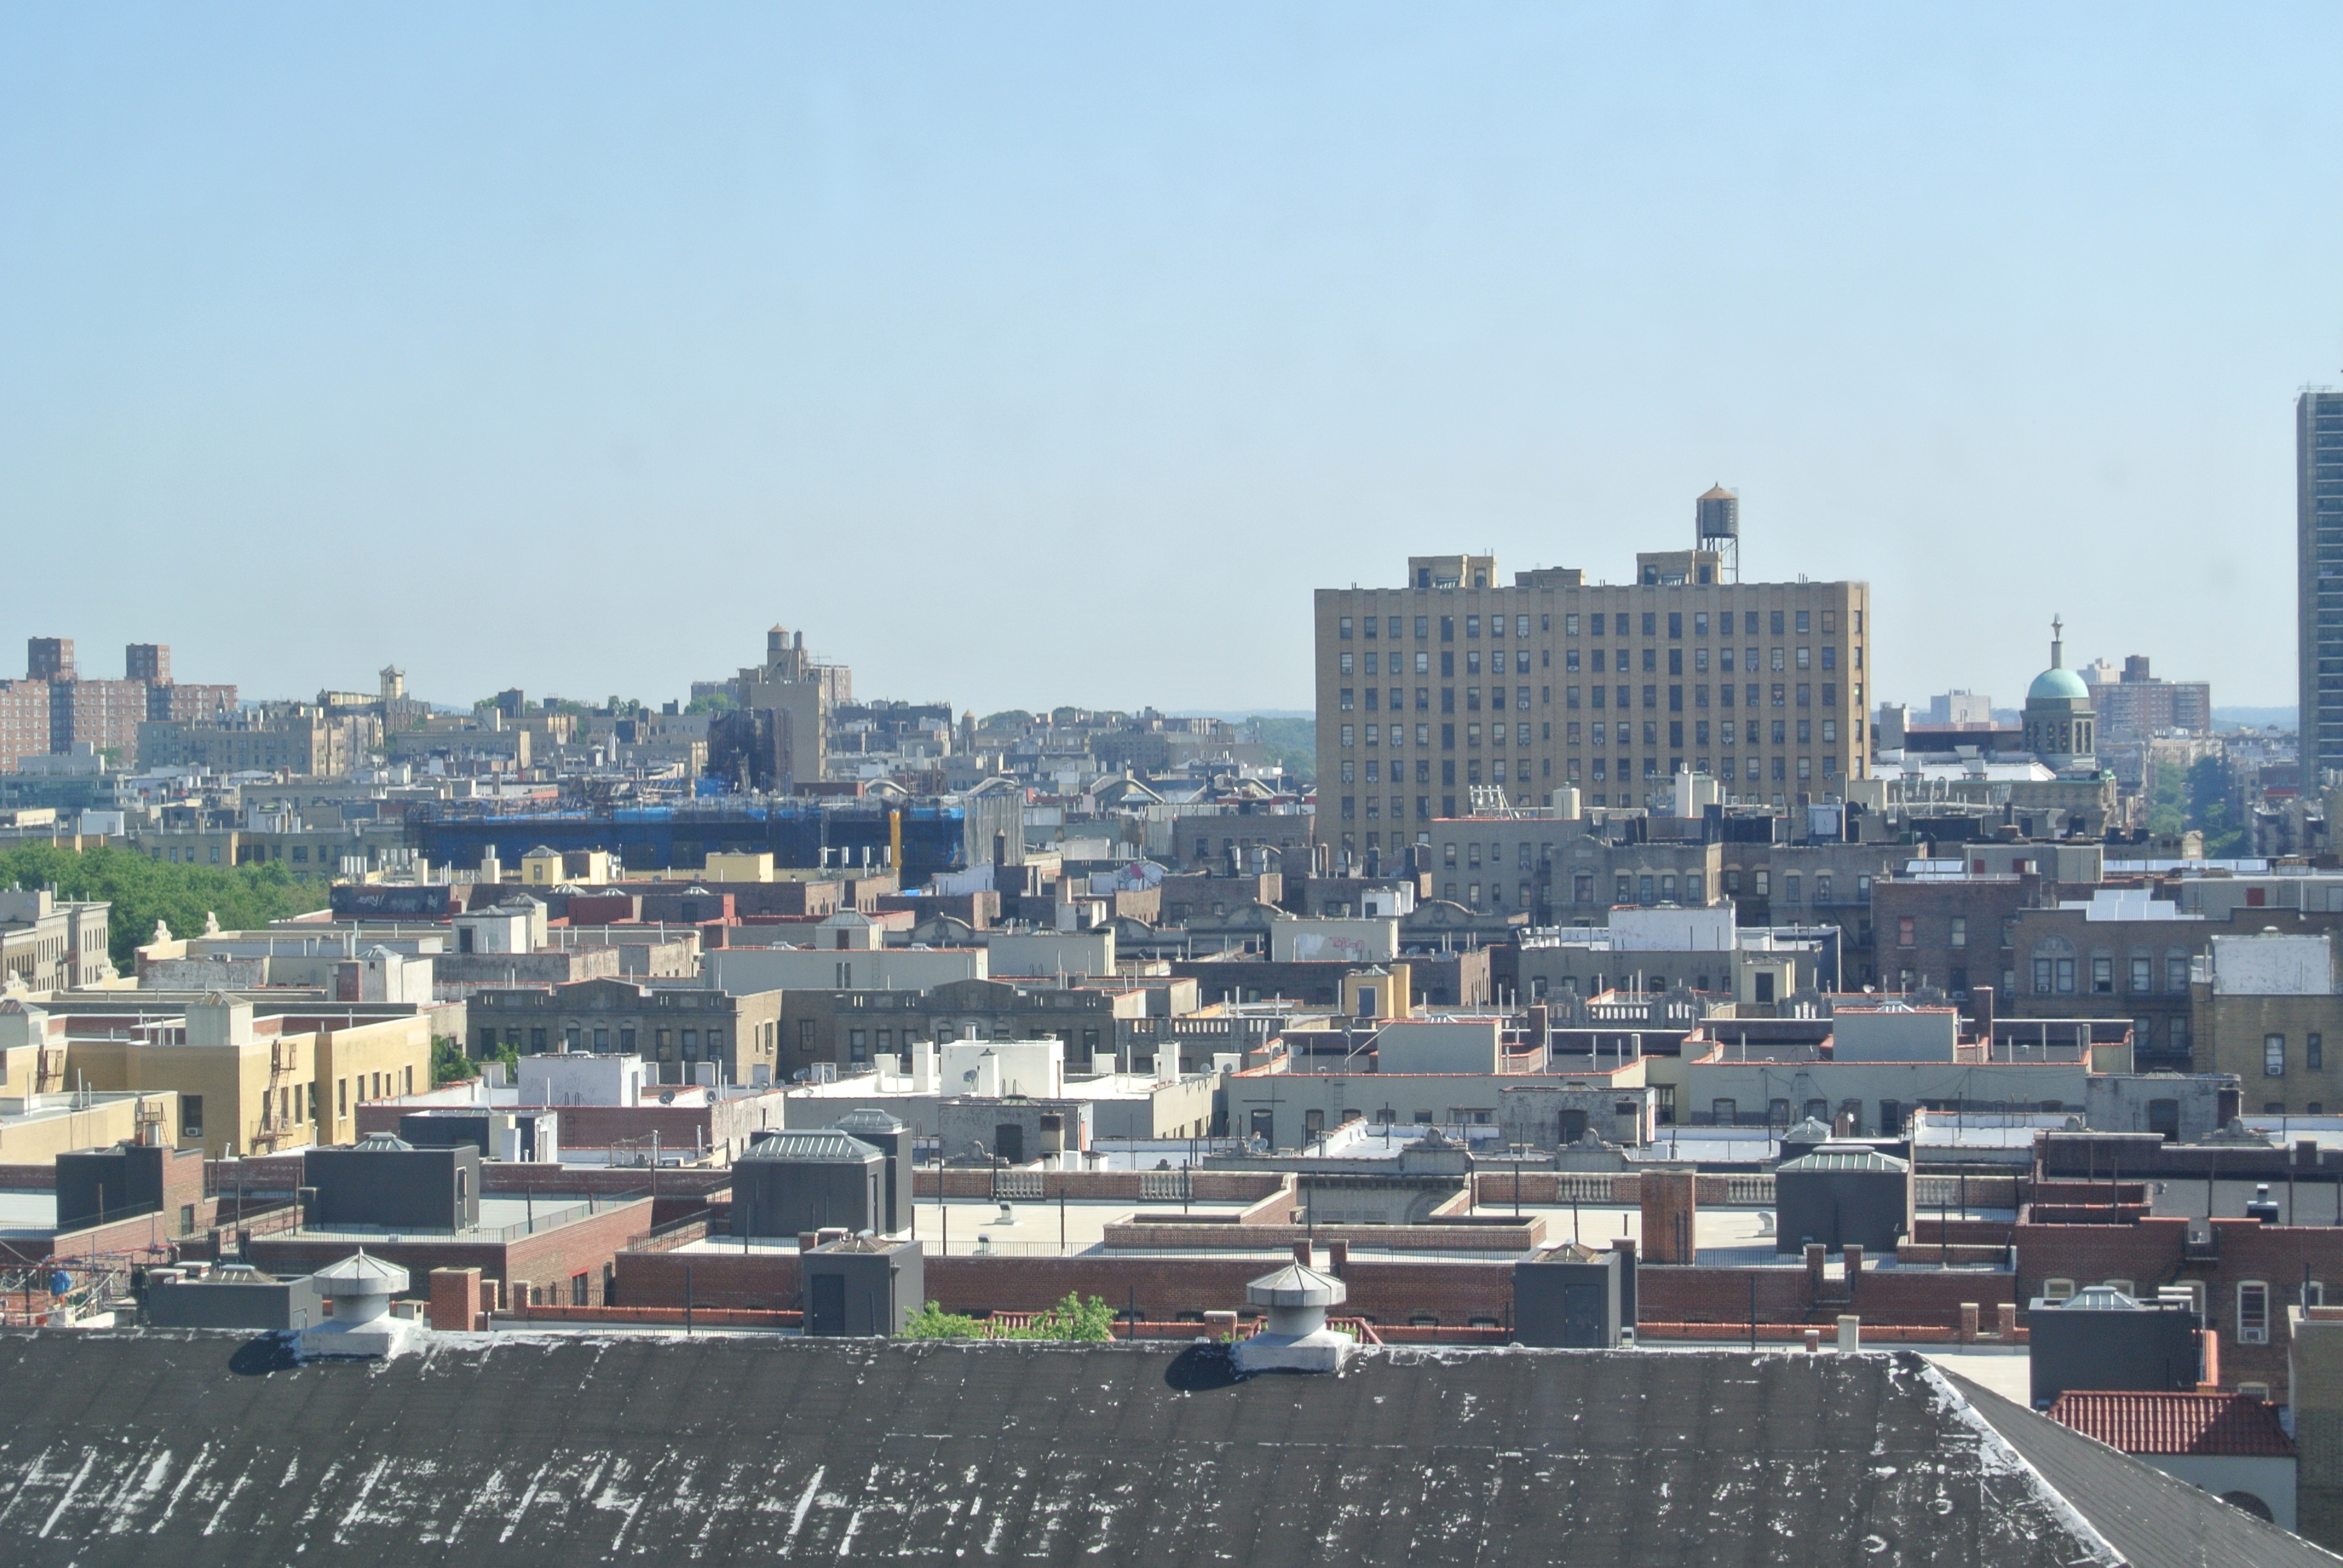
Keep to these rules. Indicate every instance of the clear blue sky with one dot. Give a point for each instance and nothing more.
(1024, 355)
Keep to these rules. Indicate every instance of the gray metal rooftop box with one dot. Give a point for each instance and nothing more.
(861, 1286)
(1842, 1194)
(792, 1182)
(2100, 1338)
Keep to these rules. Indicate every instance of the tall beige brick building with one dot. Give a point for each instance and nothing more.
(1457, 681)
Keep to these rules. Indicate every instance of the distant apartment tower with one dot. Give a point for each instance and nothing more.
(779, 736)
(1458, 680)
(54, 708)
(2136, 706)
(2318, 566)
(48, 659)
(148, 662)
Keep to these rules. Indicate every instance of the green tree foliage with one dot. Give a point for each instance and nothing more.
(932, 1323)
(143, 891)
(1292, 744)
(1071, 1319)
(2167, 803)
(2214, 810)
(714, 702)
(449, 1062)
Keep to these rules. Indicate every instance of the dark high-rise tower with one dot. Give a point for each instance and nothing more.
(2318, 564)
(48, 659)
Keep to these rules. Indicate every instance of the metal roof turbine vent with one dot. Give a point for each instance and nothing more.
(1297, 1338)
(360, 1289)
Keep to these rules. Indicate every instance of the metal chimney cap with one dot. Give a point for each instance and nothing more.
(1296, 1286)
(359, 1275)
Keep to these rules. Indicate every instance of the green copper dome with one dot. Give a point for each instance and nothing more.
(2054, 683)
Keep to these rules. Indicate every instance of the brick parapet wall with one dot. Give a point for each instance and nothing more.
(1103, 1186)
(260, 1173)
(548, 1258)
(499, 1180)
(1926, 1231)
(149, 1236)
(29, 1178)
(1510, 1239)
(589, 1246)
(1388, 1292)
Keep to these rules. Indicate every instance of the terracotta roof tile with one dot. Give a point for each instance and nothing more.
(2234, 1425)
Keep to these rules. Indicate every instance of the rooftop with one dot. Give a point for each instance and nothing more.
(132, 1447)
(2233, 1424)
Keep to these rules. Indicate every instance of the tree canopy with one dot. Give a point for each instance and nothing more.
(143, 891)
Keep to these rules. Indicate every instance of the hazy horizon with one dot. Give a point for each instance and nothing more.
(570, 347)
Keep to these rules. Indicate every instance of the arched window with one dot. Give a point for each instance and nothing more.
(2053, 966)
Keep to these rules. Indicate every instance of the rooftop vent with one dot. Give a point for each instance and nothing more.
(382, 1143)
(2100, 1299)
(1296, 1338)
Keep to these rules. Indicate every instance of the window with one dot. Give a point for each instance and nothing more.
(1904, 934)
(2103, 976)
(2175, 973)
(191, 1115)
(1723, 1112)
(2273, 1056)
(2143, 973)
(2314, 1052)
(1960, 931)
(1342, 629)
(2253, 1314)
(2057, 1290)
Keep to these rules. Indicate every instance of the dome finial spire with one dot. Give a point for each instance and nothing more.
(2057, 643)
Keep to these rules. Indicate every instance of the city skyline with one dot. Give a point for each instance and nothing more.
(2003, 316)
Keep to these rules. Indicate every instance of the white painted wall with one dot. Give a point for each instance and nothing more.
(579, 1078)
(744, 969)
(1350, 941)
(2266, 964)
(1673, 930)
(2271, 1480)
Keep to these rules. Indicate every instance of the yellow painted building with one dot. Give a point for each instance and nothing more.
(54, 1124)
(249, 1086)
